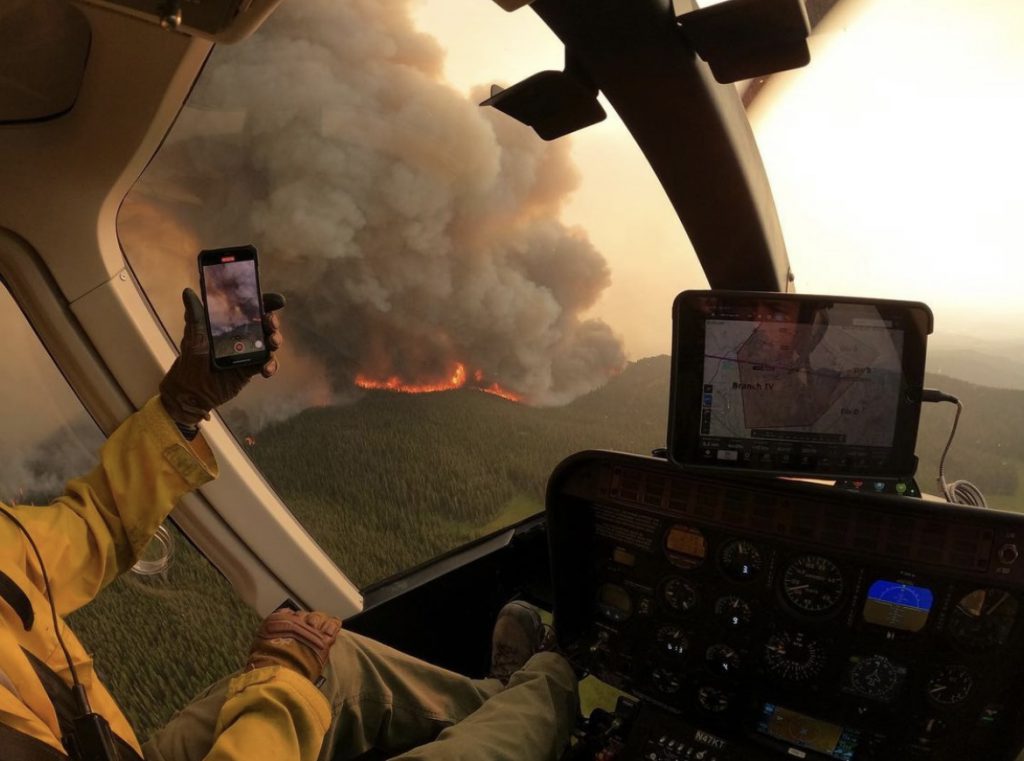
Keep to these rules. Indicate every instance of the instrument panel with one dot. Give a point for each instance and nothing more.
(791, 619)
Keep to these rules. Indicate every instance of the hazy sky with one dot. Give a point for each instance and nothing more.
(894, 159)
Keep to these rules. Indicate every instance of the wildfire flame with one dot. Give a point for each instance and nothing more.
(504, 393)
(456, 380)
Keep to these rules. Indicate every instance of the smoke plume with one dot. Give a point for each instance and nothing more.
(410, 229)
(36, 473)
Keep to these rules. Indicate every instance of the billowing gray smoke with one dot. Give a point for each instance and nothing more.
(410, 229)
(37, 472)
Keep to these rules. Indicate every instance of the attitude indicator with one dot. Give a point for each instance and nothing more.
(896, 605)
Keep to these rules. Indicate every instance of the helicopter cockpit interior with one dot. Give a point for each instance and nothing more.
(760, 618)
(551, 339)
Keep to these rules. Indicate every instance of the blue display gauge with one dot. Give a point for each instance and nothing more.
(897, 605)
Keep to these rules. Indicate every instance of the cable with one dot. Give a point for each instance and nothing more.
(959, 492)
(53, 610)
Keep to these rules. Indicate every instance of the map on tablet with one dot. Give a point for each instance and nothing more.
(787, 383)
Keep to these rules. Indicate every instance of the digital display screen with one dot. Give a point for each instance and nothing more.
(801, 385)
(623, 557)
(686, 546)
(798, 729)
(897, 605)
(808, 390)
(233, 303)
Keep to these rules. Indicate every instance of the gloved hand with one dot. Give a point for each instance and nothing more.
(298, 640)
(192, 388)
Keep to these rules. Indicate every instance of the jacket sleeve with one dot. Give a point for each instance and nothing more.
(99, 526)
(271, 712)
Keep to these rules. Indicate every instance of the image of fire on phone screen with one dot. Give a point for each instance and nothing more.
(234, 307)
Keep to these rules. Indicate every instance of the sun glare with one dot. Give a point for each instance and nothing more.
(893, 157)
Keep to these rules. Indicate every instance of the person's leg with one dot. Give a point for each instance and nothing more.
(530, 720)
(383, 698)
(380, 697)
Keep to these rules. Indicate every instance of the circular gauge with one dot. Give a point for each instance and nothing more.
(712, 699)
(950, 685)
(666, 681)
(794, 656)
(813, 584)
(672, 641)
(876, 677)
(741, 560)
(722, 659)
(614, 603)
(734, 612)
(982, 620)
(681, 596)
(685, 546)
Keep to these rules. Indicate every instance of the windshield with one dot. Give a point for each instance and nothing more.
(467, 304)
(894, 165)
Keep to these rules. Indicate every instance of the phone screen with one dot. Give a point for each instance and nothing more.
(231, 289)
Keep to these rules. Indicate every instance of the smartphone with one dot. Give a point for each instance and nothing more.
(230, 282)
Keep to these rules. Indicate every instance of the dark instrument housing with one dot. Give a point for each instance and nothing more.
(773, 618)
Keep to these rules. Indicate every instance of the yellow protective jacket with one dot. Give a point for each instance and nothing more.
(89, 536)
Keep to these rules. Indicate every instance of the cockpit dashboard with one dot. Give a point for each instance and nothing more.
(763, 619)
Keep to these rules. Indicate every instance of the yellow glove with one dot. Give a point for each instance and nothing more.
(192, 388)
(298, 640)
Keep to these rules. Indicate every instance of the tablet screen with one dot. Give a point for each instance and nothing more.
(796, 384)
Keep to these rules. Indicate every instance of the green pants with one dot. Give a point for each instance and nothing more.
(410, 710)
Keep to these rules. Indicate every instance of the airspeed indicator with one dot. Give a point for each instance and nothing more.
(813, 584)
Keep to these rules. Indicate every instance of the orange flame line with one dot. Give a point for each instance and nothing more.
(504, 393)
(394, 383)
(455, 381)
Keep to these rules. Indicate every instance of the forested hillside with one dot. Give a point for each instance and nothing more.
(985, 366)
(988, 449)
(396, 479)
